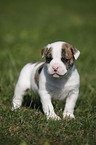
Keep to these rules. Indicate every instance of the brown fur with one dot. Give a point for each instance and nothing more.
(44, 51)
(47, 53)
(38, 71)
(68, 54)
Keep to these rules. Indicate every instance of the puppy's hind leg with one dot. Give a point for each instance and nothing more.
(24, 83)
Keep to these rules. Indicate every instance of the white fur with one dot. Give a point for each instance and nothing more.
(76, 55)
(50, 87)
(56, 62)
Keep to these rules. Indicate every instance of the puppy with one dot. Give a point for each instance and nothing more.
(56, 78)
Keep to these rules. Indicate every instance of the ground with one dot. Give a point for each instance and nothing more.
(25, 28)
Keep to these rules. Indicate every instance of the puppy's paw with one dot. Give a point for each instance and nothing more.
(15, 106)
(68, 115)
(53, 117)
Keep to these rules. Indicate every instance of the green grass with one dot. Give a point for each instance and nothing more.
(25, 27)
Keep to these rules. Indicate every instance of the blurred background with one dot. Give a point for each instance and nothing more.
(27, 26)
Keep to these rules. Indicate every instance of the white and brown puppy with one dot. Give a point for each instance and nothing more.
(56, 78)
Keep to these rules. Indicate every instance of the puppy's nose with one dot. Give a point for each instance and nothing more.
(55, 68)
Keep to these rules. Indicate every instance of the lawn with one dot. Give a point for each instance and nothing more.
(25, 28)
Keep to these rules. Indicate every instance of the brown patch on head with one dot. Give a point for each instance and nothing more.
(47, 53)
(38, 71)
(44, 51)
(67, 51)
(68, 54)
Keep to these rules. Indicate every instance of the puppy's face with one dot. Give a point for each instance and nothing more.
(59, 58)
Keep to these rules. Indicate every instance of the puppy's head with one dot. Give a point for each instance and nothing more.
(59, 58)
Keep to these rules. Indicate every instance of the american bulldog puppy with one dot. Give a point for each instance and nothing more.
(56, 78)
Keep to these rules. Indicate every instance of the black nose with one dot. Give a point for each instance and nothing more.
(55, 70)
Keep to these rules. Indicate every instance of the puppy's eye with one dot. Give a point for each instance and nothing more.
(64, 59)
(48, 59)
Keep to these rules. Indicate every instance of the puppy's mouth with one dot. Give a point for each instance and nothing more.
(56, 75)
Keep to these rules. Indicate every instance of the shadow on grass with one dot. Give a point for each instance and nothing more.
(32, 101)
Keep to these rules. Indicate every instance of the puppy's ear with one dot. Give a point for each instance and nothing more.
(75, 52)
(44, 51)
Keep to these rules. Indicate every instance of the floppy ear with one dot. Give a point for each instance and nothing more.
(44, 51)
(76, 53)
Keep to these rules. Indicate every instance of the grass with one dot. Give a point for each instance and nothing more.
(25, 27)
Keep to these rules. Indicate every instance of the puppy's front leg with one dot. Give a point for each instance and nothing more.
(47, 106)
(70, 104)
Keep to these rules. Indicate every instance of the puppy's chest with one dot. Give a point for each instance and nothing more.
(58, 90)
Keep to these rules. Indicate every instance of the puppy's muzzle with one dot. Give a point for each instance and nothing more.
(55, 69)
